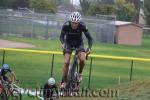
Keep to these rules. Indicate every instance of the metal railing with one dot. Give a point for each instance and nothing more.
(132, 59)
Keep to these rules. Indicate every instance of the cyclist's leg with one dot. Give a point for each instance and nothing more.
(66, 65)
(67, 55)
(82, 57)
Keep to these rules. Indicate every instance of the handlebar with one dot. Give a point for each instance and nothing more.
(10, 83)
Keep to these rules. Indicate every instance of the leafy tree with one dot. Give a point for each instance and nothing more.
(96, 7)
(7, 3)
(104, 9)
(147, 11)
(137, 4)
(44, 5)
(21, 3)
(125, 11)
(14, 3)
(85, 6)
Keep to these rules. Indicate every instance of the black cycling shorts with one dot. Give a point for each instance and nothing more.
(69, 48)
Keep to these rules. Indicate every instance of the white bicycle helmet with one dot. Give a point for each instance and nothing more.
(51, 81)
(5, 66)
(75, 17)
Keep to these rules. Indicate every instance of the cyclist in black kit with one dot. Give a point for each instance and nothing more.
(49, 88)
(72, 37)
(3, 71)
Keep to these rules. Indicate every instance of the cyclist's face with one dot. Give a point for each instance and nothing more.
(74, 25)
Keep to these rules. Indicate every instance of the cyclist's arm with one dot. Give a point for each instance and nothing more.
(45, 91)
(62, 35)
(88, 35)
(13, 76)
(1, 78)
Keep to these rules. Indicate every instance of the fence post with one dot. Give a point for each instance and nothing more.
(52, 65)
(131, 71)
(31, 34)
(3, 60)
(47, 25)
(90, 70)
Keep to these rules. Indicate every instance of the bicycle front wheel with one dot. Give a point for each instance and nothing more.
(3, 96)
(15, 95)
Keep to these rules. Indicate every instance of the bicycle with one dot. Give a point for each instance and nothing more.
(52, 96)
(3, 95)
(10, 91)
(72, 85)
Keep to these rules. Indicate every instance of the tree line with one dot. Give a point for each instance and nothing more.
(125, 10)
(37, 5)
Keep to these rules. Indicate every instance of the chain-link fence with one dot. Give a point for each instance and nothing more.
(31, 25)
(48, 26)
(105, 28)
(146, 32)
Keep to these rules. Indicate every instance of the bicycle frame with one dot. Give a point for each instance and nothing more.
(73, 85)
(73, 67)
(72, 75)
(11, 91)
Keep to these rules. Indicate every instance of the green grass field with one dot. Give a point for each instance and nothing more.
(34, 69)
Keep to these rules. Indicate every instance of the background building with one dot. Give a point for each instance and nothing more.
(128, 33)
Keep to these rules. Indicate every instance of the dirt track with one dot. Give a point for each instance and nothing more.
(12, 44)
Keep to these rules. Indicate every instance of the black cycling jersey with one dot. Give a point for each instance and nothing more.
(49, 90)
(75, 37)
(3, 73)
